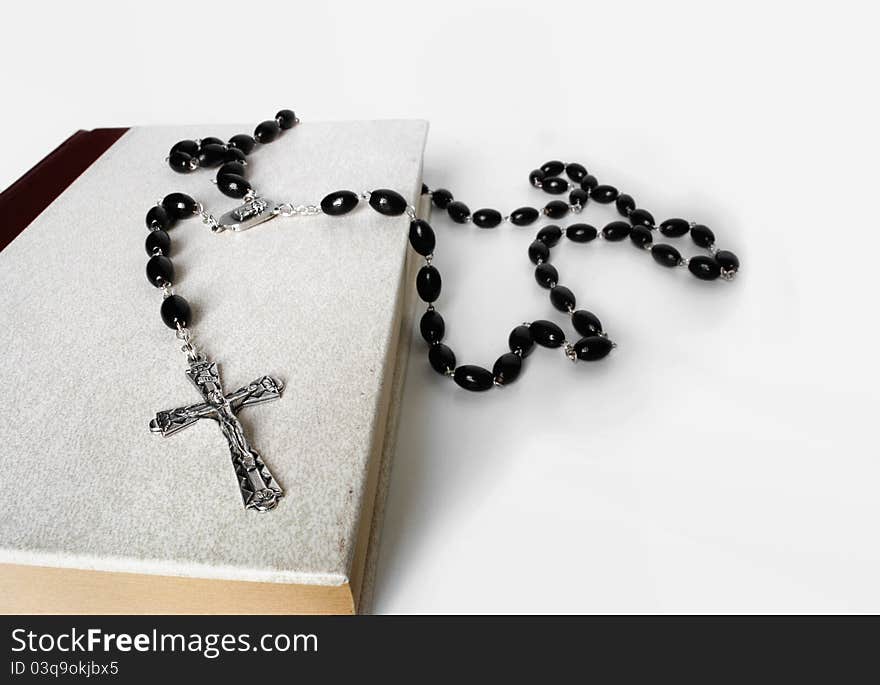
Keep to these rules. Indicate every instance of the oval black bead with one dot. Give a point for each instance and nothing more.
(562, 298)
(576, 172)
(550, 235)
(616, 230)
(625, 204)
(552, 168)
(604, 194)
(179, 205)
(286, 118)
(675, 228)
(159, 217)
(556, 209)
(243, 142)
(546, 333)
(507, 368)
(189, 147)
(520, 341)
(546, 275)
(536, 176)
(233, 185)
(581, 233)
(641, 236)
(160, 271)
(578, 196)
(589, 182)
(181, 162)
(641, 217)
(727, 260)
(432, 327)
(666, 255)
(267, 131)
(441, 198)
(387, 202)
(592, 348)
(554, 185)
(233, 154)
(473, 378)
(339, 202)
(524, 216)
(236, 168)
(702, 235)
(175, 310)
(210, 140)
(212, 154)
(586, 323)
(421, 237)
(704, 268)
(459, 212)
(158, 242)
(486, 218)
(441, 358)
(428, 283)
(538, 252)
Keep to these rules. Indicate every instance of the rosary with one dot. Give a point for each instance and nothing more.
(259, 489)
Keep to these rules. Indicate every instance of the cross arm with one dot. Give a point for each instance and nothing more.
(261, 390)
(169, 422)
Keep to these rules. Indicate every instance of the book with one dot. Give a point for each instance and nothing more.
(106, 517)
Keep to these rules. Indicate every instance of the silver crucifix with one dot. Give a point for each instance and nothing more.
(259, 490)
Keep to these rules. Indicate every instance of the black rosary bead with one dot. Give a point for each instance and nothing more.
(507, 368)
(552, 168)
(727, 260)
(233, 185)
(550, 235)
(675, 228)
(210, 140)
(524, 216)
(625, 204)
(441, 198)
(539, 252)
(428, 283)
(556, 209)
(616, 230)
(175, 310)
(459, 212)
(160, 271)
(421, 237)
(554, 185)
(592, 348)
(562, 298)
(233, 154)
(576, 172)
(158, 242)
(179, 205)
(158, 217)
(547, 333)
(486, 218)
(182, 162)
(425, 189)
(702, 235)
(387, 202)
(641, 236)
(243, 142)
(236, 168)
(267, 131)
(604, 194)
(641, 217)
(586, 323)
(441, 358)
(473, 378)
(546, 275)
(432, 327)
(212, 154)
(189, 147)
(581, 233)
(536, 177)
(520, 341)
(666, 255)
(589, 182)
(339, 202)
(286, 119)
(579, 197)
(704, 268)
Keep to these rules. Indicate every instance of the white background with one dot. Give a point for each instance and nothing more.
(724, 458)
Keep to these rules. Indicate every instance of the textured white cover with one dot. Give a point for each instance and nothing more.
(87, 361)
